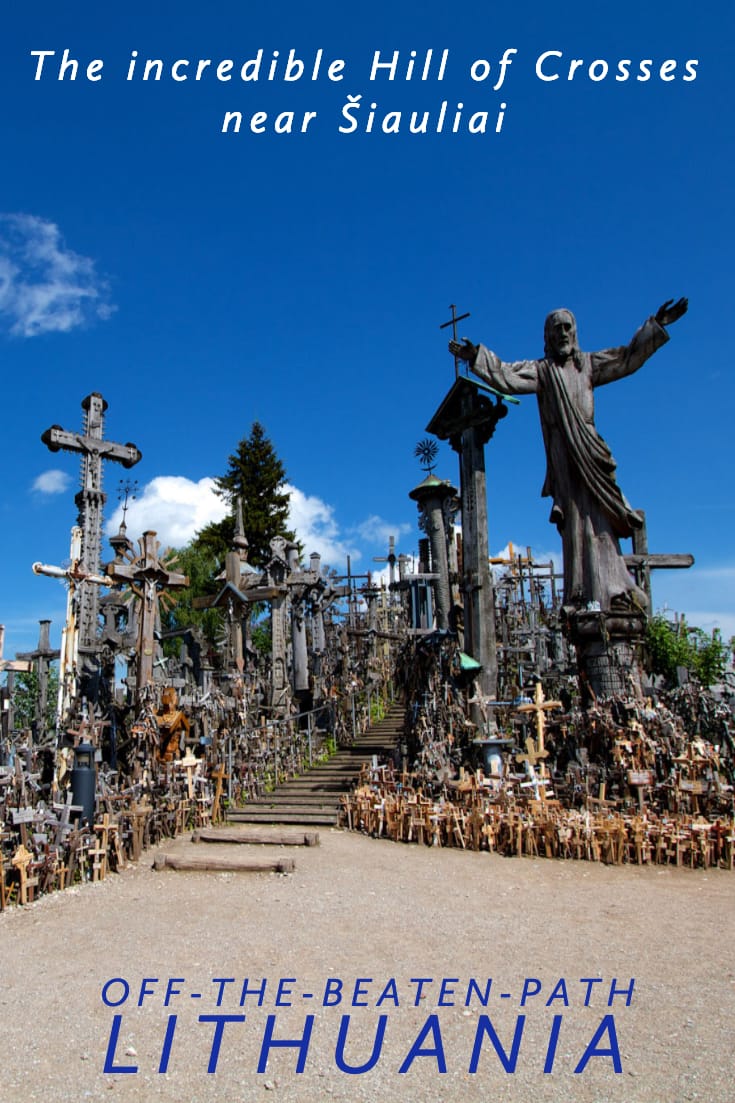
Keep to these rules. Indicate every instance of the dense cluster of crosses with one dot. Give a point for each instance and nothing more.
(152, 720)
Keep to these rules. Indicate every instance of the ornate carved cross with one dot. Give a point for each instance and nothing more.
(90, 500)
(148, 577)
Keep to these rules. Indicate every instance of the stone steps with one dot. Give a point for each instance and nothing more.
(313, 798)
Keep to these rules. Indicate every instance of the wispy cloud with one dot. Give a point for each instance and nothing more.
(724, 573)
(52, 482)
(376, 530)
(45, 287)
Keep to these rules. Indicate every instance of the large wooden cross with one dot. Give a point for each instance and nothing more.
(148, 577)
(642, 562)
(90, 500)
(70, 690)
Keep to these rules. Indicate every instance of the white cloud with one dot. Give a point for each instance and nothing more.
(173, 507)
(176, 508)
(719, 574)
(52, 482)
(44, 286)
(381, 578)
(317, 529)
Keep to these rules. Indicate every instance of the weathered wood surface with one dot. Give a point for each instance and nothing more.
(269, 838)
(210, 864)
(668, 562)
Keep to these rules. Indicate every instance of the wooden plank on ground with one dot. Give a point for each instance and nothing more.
(265, 837)
(207, 863)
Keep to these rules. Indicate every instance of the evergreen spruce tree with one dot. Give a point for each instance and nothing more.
(256, 475)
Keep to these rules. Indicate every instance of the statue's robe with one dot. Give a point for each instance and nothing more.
(589, 509)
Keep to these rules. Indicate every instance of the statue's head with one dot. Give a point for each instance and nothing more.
(560, 336)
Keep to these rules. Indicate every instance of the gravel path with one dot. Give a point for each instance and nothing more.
(360, 908)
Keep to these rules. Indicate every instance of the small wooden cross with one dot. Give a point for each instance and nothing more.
(533, 757)
(539, 707)
(219, 775)
(62, 825)
(100, 852)
(534, 754)
(190, 763)
(21, 861)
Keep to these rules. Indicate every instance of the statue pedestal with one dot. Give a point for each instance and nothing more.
(607, 646)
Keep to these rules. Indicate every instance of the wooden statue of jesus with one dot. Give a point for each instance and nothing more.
(589, 509)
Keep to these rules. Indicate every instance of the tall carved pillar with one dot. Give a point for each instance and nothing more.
(467, 418)
(298, 625)
(431, 497)
(93, 448)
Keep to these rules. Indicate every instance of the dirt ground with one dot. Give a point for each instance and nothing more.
(405, 972)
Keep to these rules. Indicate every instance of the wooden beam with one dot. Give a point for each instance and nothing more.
(270, 837)
(210, 864)
(660, 562)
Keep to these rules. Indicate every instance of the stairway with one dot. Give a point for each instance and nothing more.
(313, 798)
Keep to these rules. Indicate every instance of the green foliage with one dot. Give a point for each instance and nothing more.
(255, 475)
(377, 710)
(201, 566)
(261, 633)
(672, 645)
(25, 698)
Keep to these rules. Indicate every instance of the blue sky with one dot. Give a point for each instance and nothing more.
(203, 280)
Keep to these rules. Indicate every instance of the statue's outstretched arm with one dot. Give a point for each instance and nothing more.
(670, 311)
(464, 350)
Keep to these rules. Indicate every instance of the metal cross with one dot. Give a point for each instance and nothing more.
(453, 323)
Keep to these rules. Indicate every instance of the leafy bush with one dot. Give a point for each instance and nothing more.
(670, 645)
